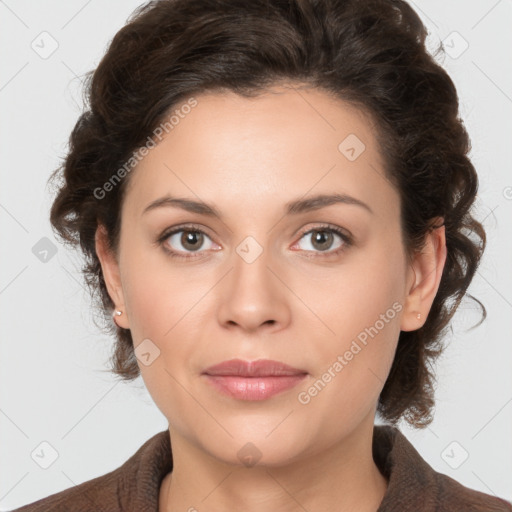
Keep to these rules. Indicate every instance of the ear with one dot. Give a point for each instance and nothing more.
(111, 274)
(424, 277)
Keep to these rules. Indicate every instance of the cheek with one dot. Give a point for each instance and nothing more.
(366, 292)
(158, 295)
(362, 309)
(348, 383)
(163, 306)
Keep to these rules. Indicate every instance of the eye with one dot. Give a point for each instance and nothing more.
(185, 239)
(192, 240)
(321, 238)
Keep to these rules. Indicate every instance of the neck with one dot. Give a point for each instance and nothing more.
(342, 478)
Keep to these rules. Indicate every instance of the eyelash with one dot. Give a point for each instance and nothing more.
(193, 228)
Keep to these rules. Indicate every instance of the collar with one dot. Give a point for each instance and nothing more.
(412, 483)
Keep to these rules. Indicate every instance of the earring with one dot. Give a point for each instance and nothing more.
(117, 312)
(418, 316)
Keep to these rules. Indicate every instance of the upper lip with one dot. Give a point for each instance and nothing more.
(258, 368)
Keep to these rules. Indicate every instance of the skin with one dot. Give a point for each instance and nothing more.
(295, 303)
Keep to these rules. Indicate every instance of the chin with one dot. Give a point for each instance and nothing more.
(253, 449)
(250, 455)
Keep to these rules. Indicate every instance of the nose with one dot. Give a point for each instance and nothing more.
(253, 295)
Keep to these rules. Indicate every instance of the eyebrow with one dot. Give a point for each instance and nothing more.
(294, 207)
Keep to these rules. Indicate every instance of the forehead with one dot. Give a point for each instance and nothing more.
(284, 143)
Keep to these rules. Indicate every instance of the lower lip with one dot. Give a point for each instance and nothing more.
(253, 388)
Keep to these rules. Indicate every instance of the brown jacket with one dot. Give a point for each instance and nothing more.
(413, 485)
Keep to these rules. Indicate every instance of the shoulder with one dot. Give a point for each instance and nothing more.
(414, 485)
(132, 486)
(455, 496)
(95, 494)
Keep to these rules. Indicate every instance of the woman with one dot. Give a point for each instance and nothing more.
(274, 201)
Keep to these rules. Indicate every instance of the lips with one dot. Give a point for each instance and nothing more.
(253, 380)
(258, 368)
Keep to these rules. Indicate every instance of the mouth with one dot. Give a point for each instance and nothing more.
(253, 380)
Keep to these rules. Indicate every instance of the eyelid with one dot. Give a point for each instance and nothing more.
(327, 227)
(166, 233)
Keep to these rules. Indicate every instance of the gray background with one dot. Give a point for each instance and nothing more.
(53, 383)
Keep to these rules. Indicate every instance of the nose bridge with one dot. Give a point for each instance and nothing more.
(252, 295)
(251, 274)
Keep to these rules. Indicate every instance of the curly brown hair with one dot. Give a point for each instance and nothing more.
(371, 54)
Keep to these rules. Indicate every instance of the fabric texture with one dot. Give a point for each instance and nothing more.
(413, 485)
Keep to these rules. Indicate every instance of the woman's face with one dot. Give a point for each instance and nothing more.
(257, 281)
